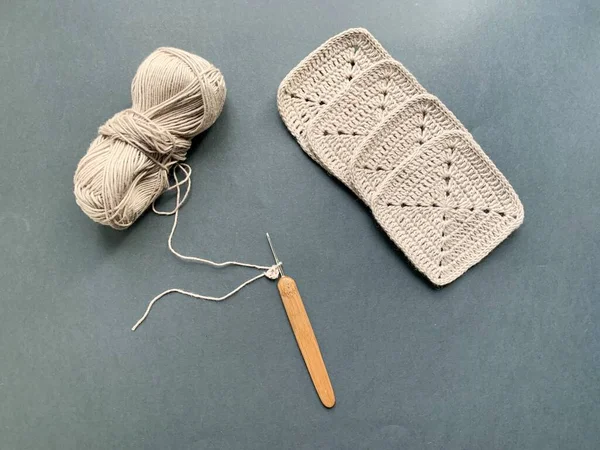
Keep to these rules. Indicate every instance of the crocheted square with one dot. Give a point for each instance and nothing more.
(447, 206)
(343, 124)
(415, 122)
(324, 73)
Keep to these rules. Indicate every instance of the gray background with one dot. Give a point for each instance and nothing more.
(506, 357)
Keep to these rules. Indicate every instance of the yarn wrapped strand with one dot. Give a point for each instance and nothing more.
(175, 96)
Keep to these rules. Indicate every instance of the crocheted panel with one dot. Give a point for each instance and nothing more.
(447, 207)
(417, 121)
(322, 75)
(344, 123)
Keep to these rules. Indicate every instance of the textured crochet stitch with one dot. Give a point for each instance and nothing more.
(321, 75)
(351, 116)
(366, 120)
(447, 207)
(415, 122)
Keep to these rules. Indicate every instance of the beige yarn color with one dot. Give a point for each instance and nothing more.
(366, 120)
(175, 96)
(316, 81)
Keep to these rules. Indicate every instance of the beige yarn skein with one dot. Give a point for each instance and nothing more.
(175, 96)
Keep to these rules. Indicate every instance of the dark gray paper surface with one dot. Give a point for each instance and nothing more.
(506, 357)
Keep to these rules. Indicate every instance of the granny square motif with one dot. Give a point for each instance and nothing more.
(366, 120)
(323, 74)
(342, 125)
(418, 120)
(447, 206)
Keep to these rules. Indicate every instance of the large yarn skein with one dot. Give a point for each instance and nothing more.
(175, 96)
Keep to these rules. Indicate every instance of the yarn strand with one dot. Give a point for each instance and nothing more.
(271, 272)
(194, 295)
(187, 170)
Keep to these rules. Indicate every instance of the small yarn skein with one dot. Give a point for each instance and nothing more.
(175, 96)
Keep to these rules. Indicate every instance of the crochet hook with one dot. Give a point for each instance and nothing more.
(305, 336)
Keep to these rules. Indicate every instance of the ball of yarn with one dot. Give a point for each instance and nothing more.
(175, 96)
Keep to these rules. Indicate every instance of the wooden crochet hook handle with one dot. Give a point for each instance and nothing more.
(305, 336)
(306, 339)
